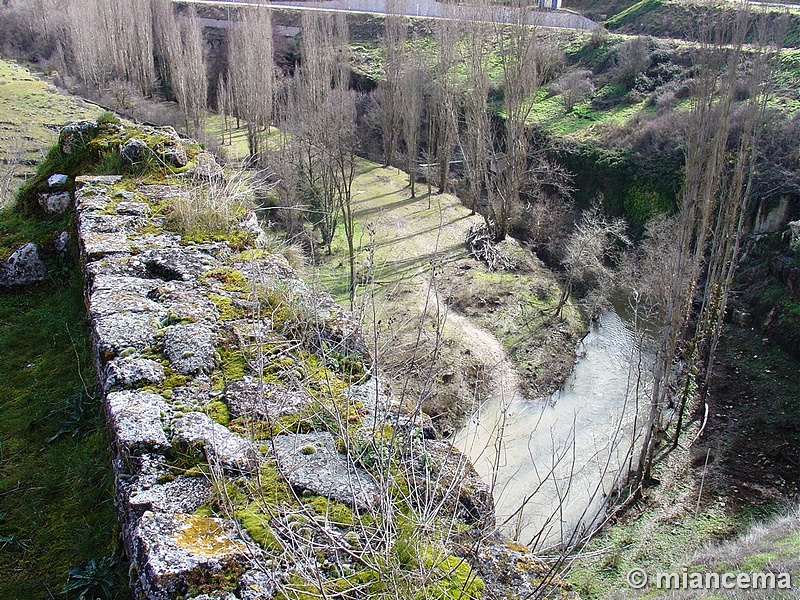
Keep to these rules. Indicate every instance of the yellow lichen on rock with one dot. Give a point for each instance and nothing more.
(205, 536)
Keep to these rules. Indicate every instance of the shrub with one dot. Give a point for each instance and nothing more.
(94, 580)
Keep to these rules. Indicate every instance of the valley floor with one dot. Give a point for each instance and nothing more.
(445, 325)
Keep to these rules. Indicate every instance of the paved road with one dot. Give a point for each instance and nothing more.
(420, 8)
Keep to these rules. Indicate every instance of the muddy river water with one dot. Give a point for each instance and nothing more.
(552, 461)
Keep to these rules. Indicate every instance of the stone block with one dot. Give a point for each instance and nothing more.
(137, 421)
(23, 267)
(311, 462)
(175, 551)
(230, 451)
(190, 348)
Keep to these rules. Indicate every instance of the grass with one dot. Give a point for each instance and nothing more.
(408, 244)
(235, 147)
(30, 113)
(56, 488)
(583, 120)
(655, 542)
(679, 19)
(632, 13)
(210, 209)
(766, 545)
(55, 465)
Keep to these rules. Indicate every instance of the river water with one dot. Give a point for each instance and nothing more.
(552, 461)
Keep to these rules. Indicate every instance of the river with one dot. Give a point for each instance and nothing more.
(552, 461)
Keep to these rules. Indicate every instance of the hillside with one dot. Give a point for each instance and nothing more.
(55, 470)
(478, 196)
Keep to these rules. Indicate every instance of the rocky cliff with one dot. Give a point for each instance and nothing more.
(257, 452)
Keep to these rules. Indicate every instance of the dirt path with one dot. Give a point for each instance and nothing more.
(502, 382)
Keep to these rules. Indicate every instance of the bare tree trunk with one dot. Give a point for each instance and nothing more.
(476, 140)
(446, 86)
(411, 97)
(251, 74)
(526, 62)
(712, 206)
(390, 87)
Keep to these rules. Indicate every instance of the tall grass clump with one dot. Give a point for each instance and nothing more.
(212, 205)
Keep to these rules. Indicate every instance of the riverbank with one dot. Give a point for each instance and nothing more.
(715, 487)
(555, 462)
(418, 284)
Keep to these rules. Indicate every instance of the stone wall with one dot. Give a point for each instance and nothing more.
(257, 453)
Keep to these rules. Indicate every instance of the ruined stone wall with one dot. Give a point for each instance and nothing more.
(257, 454)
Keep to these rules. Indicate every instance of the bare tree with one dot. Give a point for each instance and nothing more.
(526, 62)
(719, 172)
(393, 45)
(309, 120)
(112, 39)
(590, 251)
(224, 108)
(319, 122)
(343, 147)
(251, 73)
(412, 101)
(574, 86)
(192, 80)
(476, 139)
(446, 93)
(179, 44)
(166, 40)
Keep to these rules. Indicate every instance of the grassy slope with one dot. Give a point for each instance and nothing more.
(55, 495)
(416, 243)
(681, 18)
(30, 113)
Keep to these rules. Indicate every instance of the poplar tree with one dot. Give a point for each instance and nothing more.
(251, 74)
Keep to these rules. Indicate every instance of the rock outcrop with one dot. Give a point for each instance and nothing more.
(257, 452)
(23, 267)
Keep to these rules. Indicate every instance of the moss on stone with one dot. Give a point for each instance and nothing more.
(205, 536)
(231, 365)
(237, 238)
(173, 379)
(335, 512)
(218, 411)
(271, 494)
(250, 254)
(227, 278)
(451, 578)
(226, 308)
(204, 510)
(256, 524)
